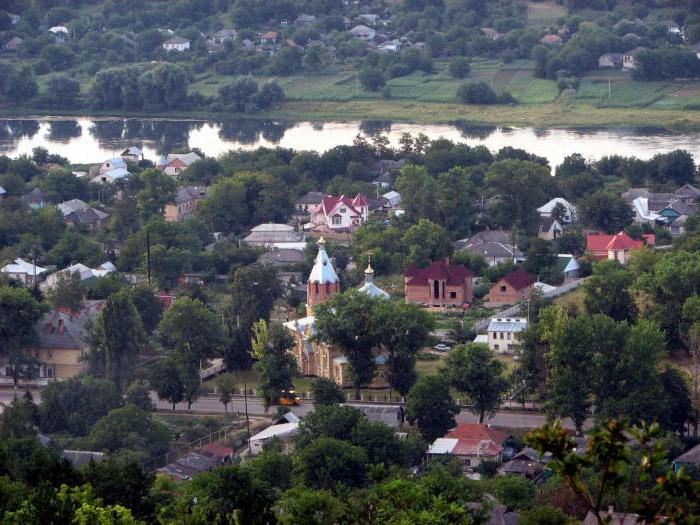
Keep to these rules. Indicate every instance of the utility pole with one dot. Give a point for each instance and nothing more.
(148, 256)
(609, 89)
(247, 420)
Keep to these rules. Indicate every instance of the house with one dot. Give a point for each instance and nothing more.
(205, 459)
(342, 213)
(35, 199)
(613, 518)
(25, 272)
(60, 33)
(384, 181)
(60, 347)
(77, 213)
(369, 19)
(496, 246)
(610, 61)
(225, 35)
(511, 288)
(3, 193)
(186, 200)
(491, 33)
(85, 274)
(112, 164)
(504, 334)
(629, 59)
(268, 38)
(696, 49)
(568, 265)
(440, 284)
(689, 460)
(13, 43)
(393, 198)
(176, 43)
(175, 163)
(283, 432)
(111, 176)
(673, 28)
(305, 20)
(526, 463)
(282, 258)
(213, 47)
(549, 229)
(615, 247)
(391, 46)
(132, 153)
(80, 458)
(470, 443)
(317, 358)
(309, 203)
(276, 236)
(551, 40)
(569, 214)
(362, 32)
(663, 209)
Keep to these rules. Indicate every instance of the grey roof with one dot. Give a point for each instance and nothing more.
(313, 197)
(62, 330)
(176, 40)
(546, 223)
(34, 196)
(508, 324)
(389, 415)
(282, 257)
(78, 458)
(188, 193)
(691, 456)
(273, 233)
(490, 244)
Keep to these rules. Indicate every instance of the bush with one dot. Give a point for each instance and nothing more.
(459, 67)
(371, 78)
(482, 93)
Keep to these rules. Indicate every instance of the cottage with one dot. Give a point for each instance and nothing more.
(268, 38)
(309, 203)
(491, 33)
(176, 43)
(613, 518)
(276, 236)
(186, 201)
(526, 463)
(83, 272)
(282, 258)
(132, 153)
(663, 209)
(569, 210)
(689, 460)
(369, 19)
(77, 213)
(225, 35)
(61, 346)
(362, 32)
(568, 265)
(551, 40)
(549, 229)
(504, 334)
(305, 20)
(175, 163)
(616, 247)
(316, 358)
(512, 288)
(495, 246)
(440, 285)
(629, 59)
(35, 199)
(391, 46)
(25, 272)
(13, 43)
(111, 176)
(112, 164)
(342, 213)
(471, 444)
(283, 432)
(610, 61)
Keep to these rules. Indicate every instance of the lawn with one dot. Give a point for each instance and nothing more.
(542, 14)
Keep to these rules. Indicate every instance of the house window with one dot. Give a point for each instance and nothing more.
(467, 462)
(337, 220)
(343, 210)
(615, 255)
(316, 288)
(503, 288)
(49, 355)
(8, 371)
(510, 347)
(501, 335)
(495, 347)
(453, 295)
(508, 336)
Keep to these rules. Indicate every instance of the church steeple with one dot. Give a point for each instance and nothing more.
(323, 281)
(369, 287)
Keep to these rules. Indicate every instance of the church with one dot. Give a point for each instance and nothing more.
(319, 359)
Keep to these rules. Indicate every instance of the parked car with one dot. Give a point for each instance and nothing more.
(441, 347)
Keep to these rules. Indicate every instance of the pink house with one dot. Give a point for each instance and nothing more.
(615, 247)
(440, 284)
(341, 213)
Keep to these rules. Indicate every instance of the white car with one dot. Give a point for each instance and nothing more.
(441, 347)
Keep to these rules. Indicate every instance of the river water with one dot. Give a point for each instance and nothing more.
(87, 140)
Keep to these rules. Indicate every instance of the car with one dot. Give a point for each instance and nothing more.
(441, 347)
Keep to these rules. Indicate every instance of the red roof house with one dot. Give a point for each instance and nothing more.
(472, 443)
(440, 284)
(615, 247)
(511, 288)
(342, 213)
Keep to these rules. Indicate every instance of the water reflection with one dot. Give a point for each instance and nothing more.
(87, 141)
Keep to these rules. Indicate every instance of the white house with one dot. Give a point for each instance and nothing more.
(570, 210)
(111, 176)
(176, 43)
(23, 271)
(283, 432)
(362, 32)
(503, 333)
(174, 163)
(83, 271)
(342, 213)
(112, 164)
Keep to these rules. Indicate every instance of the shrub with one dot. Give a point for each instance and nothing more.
(459, 67)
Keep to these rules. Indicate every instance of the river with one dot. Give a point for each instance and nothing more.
(87, 140)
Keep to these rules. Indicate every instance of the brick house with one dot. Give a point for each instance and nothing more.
(471, 443)
(511, 288)
(440, 284)
(616, 247)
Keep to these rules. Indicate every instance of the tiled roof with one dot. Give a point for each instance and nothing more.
(519, 279)
(597, 243)
(477, 431)
(313, 197)
(690, 456)
(439, 270)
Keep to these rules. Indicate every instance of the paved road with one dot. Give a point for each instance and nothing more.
(211, 405)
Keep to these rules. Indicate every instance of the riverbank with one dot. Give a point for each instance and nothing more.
(560, 114)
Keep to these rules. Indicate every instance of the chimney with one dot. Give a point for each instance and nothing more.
(447, 261)
(60, 327)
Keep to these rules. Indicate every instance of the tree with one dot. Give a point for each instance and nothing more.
(19, 315)
(123, 483)
(167, 382)
(334, 421)
(513, 491)
(326, 392)
(19, 418)
(607, 291)
(275, 365)
(477, 93)
(58, 57)
(430, 405)
(606, 211)
(426, 242)
(371, 78)
(122, 335)
(326, 463)
(131, 429)
(226, 385)
(163, 88)
(474, 371)
(158, 189)
(148, 307)
(68, 292)
(302, 506)
(459, 67)
(138, 394)
(192, 330)
(419, 193)
(347, 322)
(61, 91)
(543, 516)
(238, 95)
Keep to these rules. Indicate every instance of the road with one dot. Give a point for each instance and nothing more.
(211, 405)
